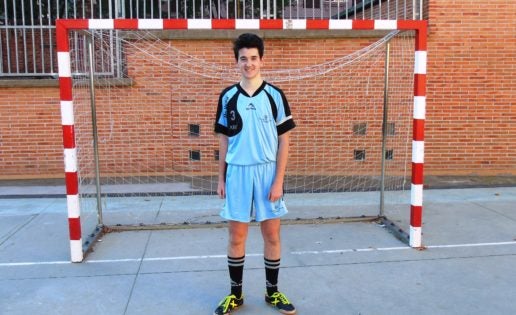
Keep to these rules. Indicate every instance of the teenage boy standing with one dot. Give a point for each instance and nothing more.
(253, 123)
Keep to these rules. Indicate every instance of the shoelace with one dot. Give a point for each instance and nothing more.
(280, 296)
(227, 301)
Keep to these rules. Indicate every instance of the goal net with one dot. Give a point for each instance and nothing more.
(147, 156)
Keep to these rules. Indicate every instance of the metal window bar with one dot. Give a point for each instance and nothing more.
(27, 27)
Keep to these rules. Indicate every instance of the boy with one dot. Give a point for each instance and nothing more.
(253, 123)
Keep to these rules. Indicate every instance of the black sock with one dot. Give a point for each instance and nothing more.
(271, 275)
(236, 273)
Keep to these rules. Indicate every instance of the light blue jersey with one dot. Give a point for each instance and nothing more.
(253, 123)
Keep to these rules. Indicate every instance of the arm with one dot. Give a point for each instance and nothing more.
(281, 165)
(223, 149)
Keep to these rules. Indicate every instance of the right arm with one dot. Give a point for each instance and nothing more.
(223, 149)
(221, 130)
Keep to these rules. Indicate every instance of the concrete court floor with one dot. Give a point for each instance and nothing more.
(468, 266)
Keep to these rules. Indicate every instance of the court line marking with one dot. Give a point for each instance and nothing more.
(472, 245)
(202, 257)
(372, 249)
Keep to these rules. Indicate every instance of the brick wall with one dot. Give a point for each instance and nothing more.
(145, 128)
(470, 125)
(30, 133)
(471, 114)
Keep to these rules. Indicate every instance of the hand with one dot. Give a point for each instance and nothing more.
(276, 192)
(221, 189)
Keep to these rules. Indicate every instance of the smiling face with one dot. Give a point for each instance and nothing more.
(249, 63)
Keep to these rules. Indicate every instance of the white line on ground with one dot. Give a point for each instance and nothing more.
(340, 251)
(472, 245)
(35, 263)
(314, 252)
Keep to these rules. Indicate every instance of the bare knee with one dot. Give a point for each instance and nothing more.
(271, 231)
(237, 238)
(272, 239)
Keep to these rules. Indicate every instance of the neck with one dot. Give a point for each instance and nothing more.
(251, 85)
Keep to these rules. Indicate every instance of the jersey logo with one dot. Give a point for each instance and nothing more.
(250, 107)
(265, 119)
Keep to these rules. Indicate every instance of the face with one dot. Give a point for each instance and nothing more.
(249, 62)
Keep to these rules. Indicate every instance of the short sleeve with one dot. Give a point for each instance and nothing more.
(221, 123)
(284, 120)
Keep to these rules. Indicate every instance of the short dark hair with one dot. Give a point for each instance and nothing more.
(248, 40)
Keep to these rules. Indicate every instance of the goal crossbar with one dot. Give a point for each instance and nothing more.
(64, 26)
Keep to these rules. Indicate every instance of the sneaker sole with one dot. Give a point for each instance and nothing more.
(281, 311)
(234, 310)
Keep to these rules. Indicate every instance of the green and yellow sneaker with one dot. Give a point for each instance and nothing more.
(228, 304)
(279, 301)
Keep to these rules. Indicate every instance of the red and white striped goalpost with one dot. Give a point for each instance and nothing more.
(67, 114)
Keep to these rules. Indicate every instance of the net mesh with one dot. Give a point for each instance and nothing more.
(155, 105)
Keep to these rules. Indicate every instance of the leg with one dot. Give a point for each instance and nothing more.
(236, 255)
(238, 198)
(272, 257)
(272, 253)
(271, 238)
(237, 238)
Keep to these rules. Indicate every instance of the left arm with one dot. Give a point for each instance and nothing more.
(281, 165)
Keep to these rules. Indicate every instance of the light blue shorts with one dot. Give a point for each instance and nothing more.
(247, 193)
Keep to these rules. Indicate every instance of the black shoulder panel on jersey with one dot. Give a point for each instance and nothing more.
(274, 107)
(287, 124)
(232, 127)
(235, 123)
